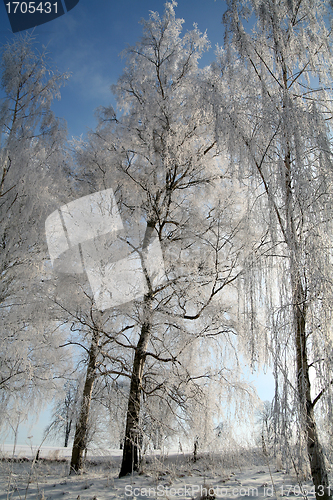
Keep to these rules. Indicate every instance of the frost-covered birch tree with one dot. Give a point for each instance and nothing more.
(30, 181)
(30, 136)
(271, 91)
(97, 342)
(161, 159)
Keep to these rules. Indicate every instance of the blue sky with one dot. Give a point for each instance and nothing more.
(87, 43)
(88, 40)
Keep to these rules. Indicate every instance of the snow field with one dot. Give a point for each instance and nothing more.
(171, 477)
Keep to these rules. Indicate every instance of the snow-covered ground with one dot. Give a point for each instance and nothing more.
(172, 476)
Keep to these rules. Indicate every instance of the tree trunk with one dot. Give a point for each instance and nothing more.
(315, 453)
(80, 439)
(299, 294)
(67, 432)
(130, 461)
